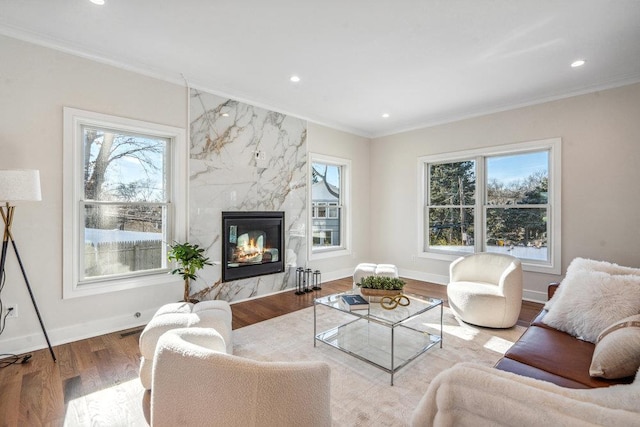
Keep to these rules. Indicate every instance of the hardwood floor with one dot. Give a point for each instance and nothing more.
(254, 311)
(95, 381)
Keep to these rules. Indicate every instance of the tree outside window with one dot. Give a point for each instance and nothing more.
(125, 203)
(517, 205)
(451, 209)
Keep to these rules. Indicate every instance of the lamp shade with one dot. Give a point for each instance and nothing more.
(19, 184)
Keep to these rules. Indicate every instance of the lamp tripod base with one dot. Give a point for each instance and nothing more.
(8, 217)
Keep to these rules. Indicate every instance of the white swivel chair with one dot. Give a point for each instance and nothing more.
(485, 289)
(195, 383)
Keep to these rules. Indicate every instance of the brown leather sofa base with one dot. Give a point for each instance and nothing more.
(511, 365)
(548, 354)
(560, 354)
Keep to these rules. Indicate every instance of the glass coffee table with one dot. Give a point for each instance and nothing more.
(387, 339)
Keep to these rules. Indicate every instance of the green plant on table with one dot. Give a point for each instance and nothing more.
(190, 259)
(381, 282)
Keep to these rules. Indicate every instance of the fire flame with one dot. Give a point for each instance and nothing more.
(248, 252)
(251, 248)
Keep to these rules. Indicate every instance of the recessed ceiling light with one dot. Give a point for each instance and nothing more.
(385, 115)
(294, 79)
(578, 63)
(225, 114)
(98, 2)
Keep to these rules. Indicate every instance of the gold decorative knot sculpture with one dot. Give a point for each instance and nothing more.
(389, 303)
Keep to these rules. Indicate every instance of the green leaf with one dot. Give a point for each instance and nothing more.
(189, 258)
(381, 282)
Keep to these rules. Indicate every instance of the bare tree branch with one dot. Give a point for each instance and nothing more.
(317, 176)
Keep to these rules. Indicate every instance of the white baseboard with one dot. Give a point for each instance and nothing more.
(423, 276)
(527, 295)
(339, 274)
(534, 296)
(36, 340)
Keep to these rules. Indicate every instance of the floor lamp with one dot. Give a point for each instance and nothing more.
(18, 185)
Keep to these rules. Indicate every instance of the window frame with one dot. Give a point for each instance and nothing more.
(344, 213)
(73, 199)
(554, 148)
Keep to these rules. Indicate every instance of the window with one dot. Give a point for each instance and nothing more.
(334, 210)
(123, 182)
(325, 210)
(322, 237)
(501, 199)
(451, 206)
(517, 205)
(329, 199)
(319, 210)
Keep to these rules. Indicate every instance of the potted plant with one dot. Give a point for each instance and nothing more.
(190, 258)
(381, 286)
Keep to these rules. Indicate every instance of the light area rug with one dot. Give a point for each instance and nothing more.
(361, 394)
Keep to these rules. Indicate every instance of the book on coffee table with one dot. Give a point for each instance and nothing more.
(354, 302)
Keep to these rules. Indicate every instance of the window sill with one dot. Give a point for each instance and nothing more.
(526, 265)
(103, 287)
(329, 253)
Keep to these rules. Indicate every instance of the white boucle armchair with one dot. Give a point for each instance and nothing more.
(214, 314)
(485, 289)
(195, 383)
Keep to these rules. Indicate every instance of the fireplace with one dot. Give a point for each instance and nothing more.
(252, 244)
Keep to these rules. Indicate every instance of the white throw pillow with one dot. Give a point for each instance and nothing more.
(584, 264)
(617, 352)
(593, 300)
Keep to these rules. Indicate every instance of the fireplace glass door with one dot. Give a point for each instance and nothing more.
(253, 244)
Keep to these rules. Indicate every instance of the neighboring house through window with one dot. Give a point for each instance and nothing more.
(502, 199)
(329, 199)
(124, 186)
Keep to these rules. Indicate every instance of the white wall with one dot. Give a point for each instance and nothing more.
(35, 83)
(600, 174)
(331, 142)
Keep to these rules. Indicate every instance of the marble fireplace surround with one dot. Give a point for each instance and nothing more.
(245, 158)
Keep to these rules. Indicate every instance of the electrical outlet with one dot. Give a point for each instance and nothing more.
(12, 309)
(261, 159)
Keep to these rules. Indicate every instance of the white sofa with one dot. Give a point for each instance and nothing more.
(214, 314)
(473, 395)
(195, 383)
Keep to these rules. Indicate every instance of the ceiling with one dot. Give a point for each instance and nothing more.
(423, 62)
